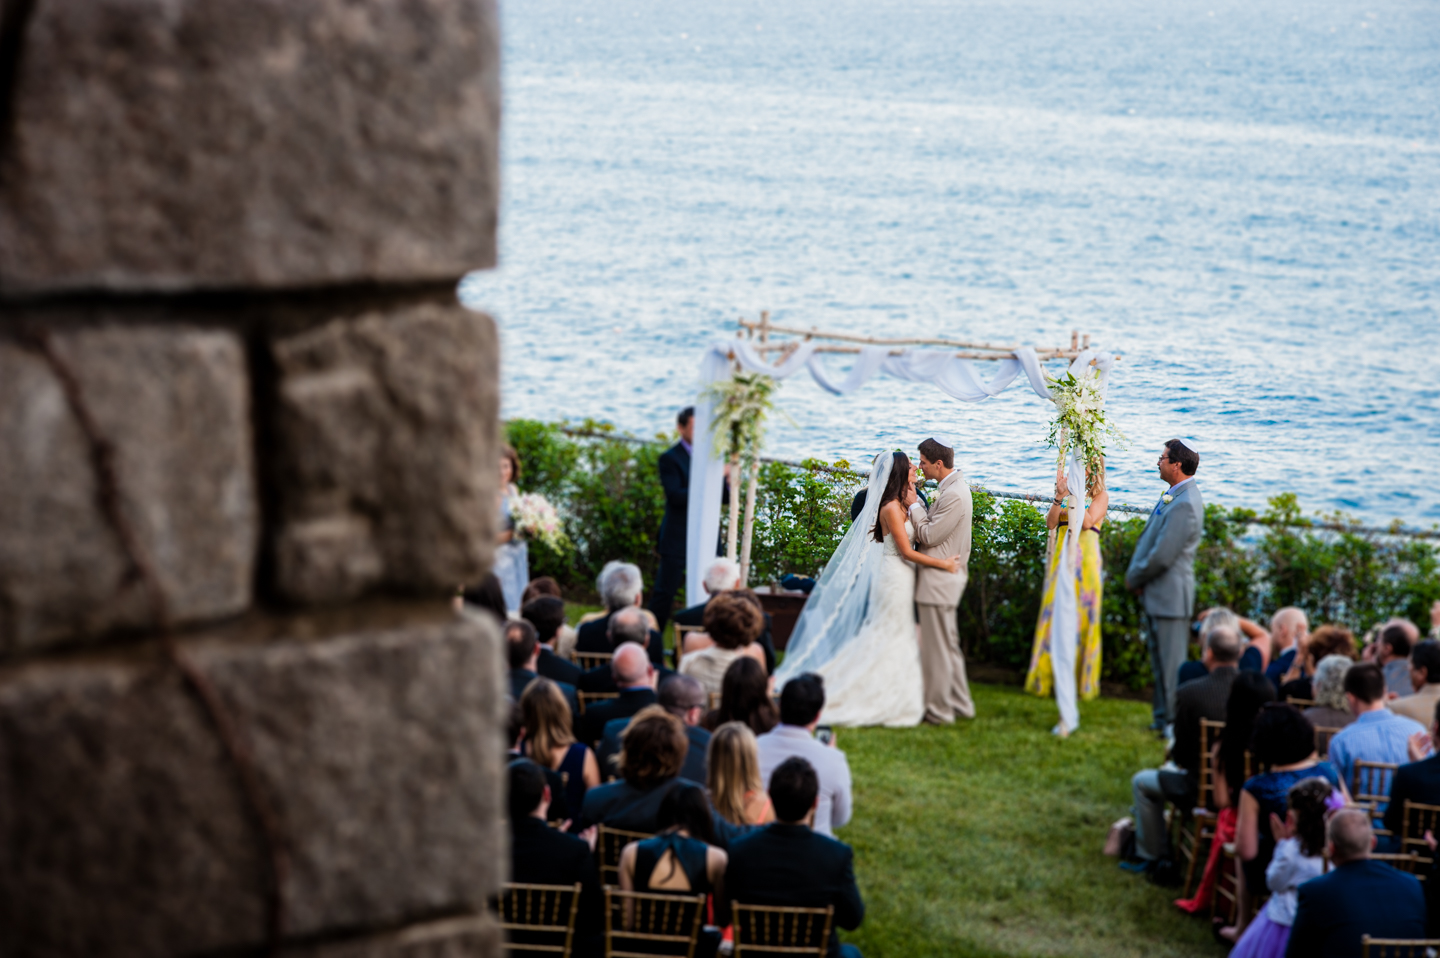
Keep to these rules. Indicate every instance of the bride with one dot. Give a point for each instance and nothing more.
(858, 628)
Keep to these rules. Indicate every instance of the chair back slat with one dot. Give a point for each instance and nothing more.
(1398, 947)
(539, 919)
(1323, 735)
(1419, 818)
(1371, 786)
(1209, 733)
(776, 930)
(1300, 703)
(586, 698)
(609, 843)
(592, 660)
(644, 924)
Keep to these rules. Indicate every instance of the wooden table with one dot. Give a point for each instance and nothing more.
(784, 608)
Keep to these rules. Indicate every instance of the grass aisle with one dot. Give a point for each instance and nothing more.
(984, 839)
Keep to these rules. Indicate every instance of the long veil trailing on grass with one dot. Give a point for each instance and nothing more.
(838, 603)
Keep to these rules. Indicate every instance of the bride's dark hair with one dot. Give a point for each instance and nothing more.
(899, 479)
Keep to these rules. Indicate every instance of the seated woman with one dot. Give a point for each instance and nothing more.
(652, 753)
(683, 859)
(549, 741)
(1326, 640)
(732, 624)
(735, 783)
(1330, 710)
(744, 697)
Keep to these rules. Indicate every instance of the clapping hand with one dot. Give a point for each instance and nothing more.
(1418, 745)
(1281, 829)
(1062, 484)
(1435, 615)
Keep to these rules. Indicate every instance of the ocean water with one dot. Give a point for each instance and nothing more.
(1241, 198)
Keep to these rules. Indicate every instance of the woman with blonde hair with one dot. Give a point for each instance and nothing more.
(548, 740)
(736, 789)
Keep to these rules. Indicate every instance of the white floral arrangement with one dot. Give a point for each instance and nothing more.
(1080, 421)
(535, 518)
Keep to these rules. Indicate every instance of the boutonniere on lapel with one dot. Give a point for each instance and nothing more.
(1167, 498)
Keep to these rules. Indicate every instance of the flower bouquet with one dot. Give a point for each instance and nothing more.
(535, 518)
(1080, 422)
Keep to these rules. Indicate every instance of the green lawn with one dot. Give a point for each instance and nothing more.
(984, 838)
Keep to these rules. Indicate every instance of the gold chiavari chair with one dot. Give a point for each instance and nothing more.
(539, 918)
(609, 843)
(712, 699)
(1323, 735)
(1399, 947)
(1371, 786)
(1224, 903)
(587, 697)
(781, 930)
(592, 660)
(642, 924)
(1299, 703)
(1197, 827)
(1419, 818)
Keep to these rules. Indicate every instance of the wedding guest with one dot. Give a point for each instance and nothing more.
(1289, 629)
(627, 625)
(1377, 734)
(487, 594)
(634, 679)
(1162, 572)
(564, 643)
(1202, 698)
(683, 859)
(744, 697)
(549, 741)
(674, 466)
(790, 864)
(1393, 655)
(558, 810)
(801, 702)
(735, 783)
(620, 587)
(733, 623)
(547, 614)
(652, 754)
(1216, 618)
(523, 649)
(1357, 897)
(1424, 681)
(1326, 640)
(683, 698)
(1418, 780)
(1299, 845)
(512, 556)
(723, 575)
(540, 855)
(1330, 710)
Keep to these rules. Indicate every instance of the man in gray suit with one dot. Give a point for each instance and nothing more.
(943, 531)
(1162, 572)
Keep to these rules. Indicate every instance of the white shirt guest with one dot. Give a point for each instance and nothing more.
(801, 702)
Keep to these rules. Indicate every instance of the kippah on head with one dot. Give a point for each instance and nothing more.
(1187, 444)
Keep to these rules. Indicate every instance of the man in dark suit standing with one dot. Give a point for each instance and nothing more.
(675, 479)
(787, 864)
(541, 855)
(523, 650)
(1357, 897)
(635, 678)
(1162, 573)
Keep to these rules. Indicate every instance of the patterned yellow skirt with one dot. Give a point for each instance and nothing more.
(1040, 678)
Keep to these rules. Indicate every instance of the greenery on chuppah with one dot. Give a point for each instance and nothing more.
(608, 492)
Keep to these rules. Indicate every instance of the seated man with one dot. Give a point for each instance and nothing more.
(547, 614)
(1357, 897)
(1424, 680)
(1254, 642)
(1419, 779)
(1392, 654)
(523, 650)
(723, 575)
(627, 625)
(1377, 734)
(789, 865)
(683, 698)
(541, 855)
(1288, 630)
(620, 587)
(1152, 788)
(634, 678)
(653, 752)
(801, 702)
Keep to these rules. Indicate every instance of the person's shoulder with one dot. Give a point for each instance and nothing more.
(696, 734)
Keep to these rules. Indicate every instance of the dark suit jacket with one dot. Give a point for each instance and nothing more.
(560, 670)
(1417, 781)
(598, 713)
(592, 637)
(622, 805)
(793, 866)
(540, 855)
(608, 754)
(695, 615)
(675, 479)
(1355, 899)
(559, 810)
(1200, 698)
(519, 678)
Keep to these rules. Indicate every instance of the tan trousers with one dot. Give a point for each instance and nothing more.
(947, 690)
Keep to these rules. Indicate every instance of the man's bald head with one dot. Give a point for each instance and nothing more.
(630, 665)
(628, 625)
(1287, 625)
(1351, 835)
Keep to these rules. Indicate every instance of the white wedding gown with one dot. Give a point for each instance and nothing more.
(875, 679)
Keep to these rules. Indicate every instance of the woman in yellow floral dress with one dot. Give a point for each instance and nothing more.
(1041, 678)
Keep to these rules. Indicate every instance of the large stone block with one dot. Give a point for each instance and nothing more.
(194, 144)
(469, 937)
(174, 405)
(123, 830)
(384, 432)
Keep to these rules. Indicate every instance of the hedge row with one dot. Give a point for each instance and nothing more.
(609, 494)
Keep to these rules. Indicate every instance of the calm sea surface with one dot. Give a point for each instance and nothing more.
(1242, 198)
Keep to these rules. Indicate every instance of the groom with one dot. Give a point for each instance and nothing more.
(942, 530)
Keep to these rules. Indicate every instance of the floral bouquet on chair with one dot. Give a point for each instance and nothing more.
(535, 518)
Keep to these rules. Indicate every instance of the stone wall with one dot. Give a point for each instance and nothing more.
(247, 451)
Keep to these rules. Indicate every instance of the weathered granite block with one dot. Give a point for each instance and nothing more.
(123, 830)
(194, 144)
(174, 403)
(385, 431)
(469, 937)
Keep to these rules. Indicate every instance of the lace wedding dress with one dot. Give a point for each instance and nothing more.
(875, 678)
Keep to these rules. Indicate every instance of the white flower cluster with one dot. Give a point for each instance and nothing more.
(535, 518)
(1080, 421)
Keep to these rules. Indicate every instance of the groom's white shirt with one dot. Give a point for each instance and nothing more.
(943, 531)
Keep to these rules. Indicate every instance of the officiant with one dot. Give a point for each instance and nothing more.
(674, 469)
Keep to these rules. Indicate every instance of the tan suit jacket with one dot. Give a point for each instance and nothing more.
(944, 531)
(1420, 706)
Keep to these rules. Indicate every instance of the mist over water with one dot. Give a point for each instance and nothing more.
(1243, 199)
